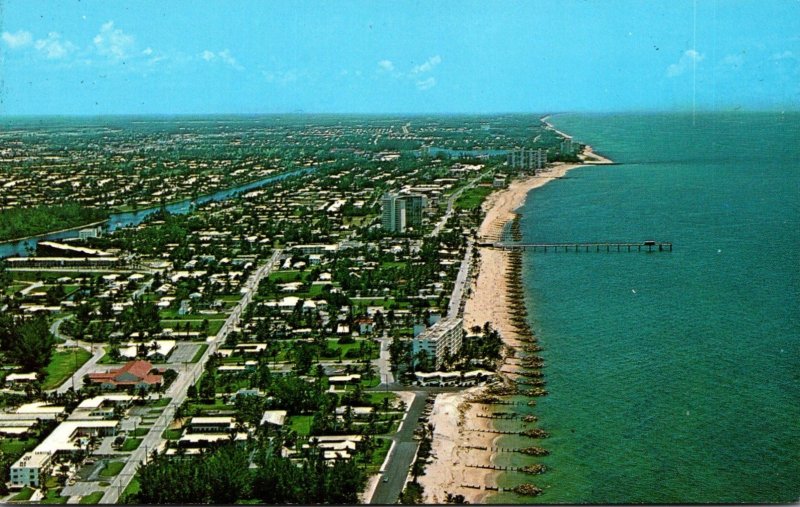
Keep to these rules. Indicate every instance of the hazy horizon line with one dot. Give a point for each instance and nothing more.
(540, 114)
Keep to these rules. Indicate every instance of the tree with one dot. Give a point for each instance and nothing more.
(208, 387)
(83, 317)
(33, 344)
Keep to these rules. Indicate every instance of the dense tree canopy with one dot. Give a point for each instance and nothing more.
(223, 476)
(28, 342)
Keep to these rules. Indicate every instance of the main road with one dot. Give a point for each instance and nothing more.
(401, 456)
(180, 387)
(451, 204)
(454, 309)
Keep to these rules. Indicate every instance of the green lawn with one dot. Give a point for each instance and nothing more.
(170, 314)
(301, 424)
(63, 365)
(53, 497)
(163, 402)
(92, 498)
(393, 264)
(112, 469)
(15, 447)
(374, 381)
(472, 197)
(13, 288)
(214, 325)
(171, 434)
(378, 456)
(43, 276)
(131, 490)
(25, 494)
(288, 276)
(202, 407)
(200, 351)
(333, 343)
(131, 444)
(377, 398)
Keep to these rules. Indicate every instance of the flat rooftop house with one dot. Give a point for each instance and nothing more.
(344, 379)
(41, 410)
(20, 378)
(203, 440)
(216, 424)
(274, 417)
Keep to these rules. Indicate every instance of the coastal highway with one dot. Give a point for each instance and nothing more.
(461, 280)
(177, 391)
(401, 455)
(451, 202)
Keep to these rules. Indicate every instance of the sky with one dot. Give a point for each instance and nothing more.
(95, 57)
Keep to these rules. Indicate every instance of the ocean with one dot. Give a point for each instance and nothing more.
(673, 377)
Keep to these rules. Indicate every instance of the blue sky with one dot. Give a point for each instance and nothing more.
(124, 57)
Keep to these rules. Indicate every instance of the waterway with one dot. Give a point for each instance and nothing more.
(118, 220)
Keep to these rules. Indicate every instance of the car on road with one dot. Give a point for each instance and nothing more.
(385, 478)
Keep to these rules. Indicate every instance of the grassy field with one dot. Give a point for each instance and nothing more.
(200, 351)
(131, 444)
(288, 276)
(112, 469)
(14, 447)
(345, 347)
(195, 324)
(92, 498)
(139, 432)
(131, 490)
(378, 456)
(25, 494)
(301, 424)
(472, 198)
(163, 402)
(53, 497)
(62, 366)
(171, 434)
(201, 407)
(377, 398)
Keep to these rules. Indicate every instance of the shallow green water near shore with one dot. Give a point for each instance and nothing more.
(673, 377)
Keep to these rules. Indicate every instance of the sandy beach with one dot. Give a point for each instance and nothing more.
(453, 415)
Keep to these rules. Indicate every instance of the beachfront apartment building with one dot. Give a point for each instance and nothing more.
(528, 159)
(399, 211)
(440, 339)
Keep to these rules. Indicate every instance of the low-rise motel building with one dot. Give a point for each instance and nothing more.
(444, 337)
(64, 441)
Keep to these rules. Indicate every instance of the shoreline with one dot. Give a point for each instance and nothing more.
(453, 413)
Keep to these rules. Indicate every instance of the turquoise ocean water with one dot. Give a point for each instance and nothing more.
(673, 377)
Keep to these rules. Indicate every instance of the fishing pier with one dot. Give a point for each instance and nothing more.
(644, 246)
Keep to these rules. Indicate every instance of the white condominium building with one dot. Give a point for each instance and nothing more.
(440, 339)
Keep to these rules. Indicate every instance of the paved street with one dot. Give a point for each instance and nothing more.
(401, 456)
(450, 202)
(383, 363)
(179, 388)
(461, 280)
(76, 380)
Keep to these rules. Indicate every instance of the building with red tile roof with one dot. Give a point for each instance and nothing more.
(134, 374)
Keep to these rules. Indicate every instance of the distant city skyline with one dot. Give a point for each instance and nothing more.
(250, 57)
